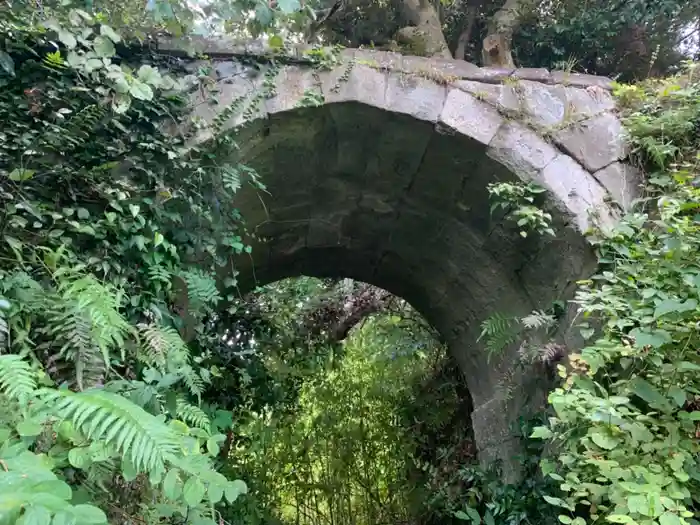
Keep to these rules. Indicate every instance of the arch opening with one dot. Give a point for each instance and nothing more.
(374, 404)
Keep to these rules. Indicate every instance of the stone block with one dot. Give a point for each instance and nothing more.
(584, 103)
(354, 83)
(581, 80)
(491, 75)
(469, 116)
(503, 98)
(416, 96)
(293, 84)
(595, 142)
(455, 68)
(379, 59)
(536, 74)
(542, 104)
(623, 181)
(579, 193)
(521, 150)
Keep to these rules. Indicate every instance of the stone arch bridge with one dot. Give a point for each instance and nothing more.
(377, 170)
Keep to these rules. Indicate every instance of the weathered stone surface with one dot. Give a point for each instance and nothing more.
(521, 150)
(470, 117)
(624, 182)
(295, 83)
(577, 191)
(415, 96)
(595, 143)
(581, 80)
(542, 105)
(362, 84)
(533, 73)
(386, 181)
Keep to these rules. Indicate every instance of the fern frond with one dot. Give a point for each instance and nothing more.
(16, 378)
(192, 414)
(498, 331)
(201, 288)
(160, 274)
(162, 347)
(194, 382)
(104, 416)
(538, 319)
(84, 323)
(72, 330)
(102, 304)
(231, 177)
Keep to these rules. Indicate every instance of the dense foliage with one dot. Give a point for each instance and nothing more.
(101, 396)
(625, 422)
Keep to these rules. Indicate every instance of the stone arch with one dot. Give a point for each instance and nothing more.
(385, 182)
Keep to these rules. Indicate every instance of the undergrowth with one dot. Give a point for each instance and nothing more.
(624, 434)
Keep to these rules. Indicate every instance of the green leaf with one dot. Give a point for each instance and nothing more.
(104, 47)
(134, 209)
(121, 103)
(149, 75)
(79, 457)
(234, 489)
(678, 395)
(18, 174)
(172, 486)
(276, 42)
(565, 519)
(212, 447)
(461, 515)
(645, 390)
(67, 39)
(288, 6)
(654, 338)
(620, 518)
(110, 33)
(141, 91)
(541, 433)
(36, 515)
(638, 503)
(668, 306)
(603, 440)
(669, 518)
(158, 239)
(64, 517)
(215, 492)
(7, 64)
(29, 429)
(193, 492)
(89, 515)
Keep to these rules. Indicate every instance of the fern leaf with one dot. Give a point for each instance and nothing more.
(104, 416)
(194, 382)
(201, 288)
(231, 178)
(16, 378)
(498, 331)
(162, 347)
(192, 414)
(538, 319)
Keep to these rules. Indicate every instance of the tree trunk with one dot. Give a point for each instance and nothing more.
(466, 33)
(496, 48)
(424, 31)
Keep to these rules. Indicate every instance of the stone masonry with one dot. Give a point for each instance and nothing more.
(383, 179)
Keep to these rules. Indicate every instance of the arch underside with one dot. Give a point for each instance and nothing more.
(381, 197)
